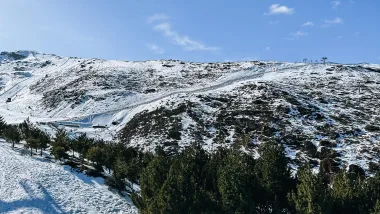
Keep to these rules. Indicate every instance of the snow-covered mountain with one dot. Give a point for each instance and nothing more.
(323, 114)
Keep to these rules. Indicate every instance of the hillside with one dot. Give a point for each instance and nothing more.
(325, 114)
(34, 185)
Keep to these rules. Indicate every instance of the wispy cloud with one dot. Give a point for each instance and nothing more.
(337, 20)
(268, 48)
(307, 24)
(296, 35)
(157, 18)
(340, 37)
(275, 9)
(299, 34)
(183, 41)
(357, 33)
(335, 4)
(330, 22)
(155, 48)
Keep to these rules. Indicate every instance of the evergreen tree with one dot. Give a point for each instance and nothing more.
(152, 179)
(83, 144)
(347, 194)
(60, 144)
(32, 143)
(236, 183)
(183, 192)
(13, 134)
(95, 154)
(43, 141)
(27, 129)
(273, 176)
(58, 152)
(120, 174)
(109, 155)
(61, 139)
(312, 196)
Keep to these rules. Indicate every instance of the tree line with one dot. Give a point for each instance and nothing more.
(226, 181)
(230, 181)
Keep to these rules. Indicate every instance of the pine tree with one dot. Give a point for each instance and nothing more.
(61, 139)
(182, 192)
(31, 143)
(95, 154)
(236, 183)
(83, 144)
(312, 196)
(60, 144)
(27, 129)
(347, 193)
(58, 152)
(109, 155)
(13, 134)
(43, 141)
(152, 179)
(273, 176)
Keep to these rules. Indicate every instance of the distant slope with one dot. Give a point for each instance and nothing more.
(327, 116)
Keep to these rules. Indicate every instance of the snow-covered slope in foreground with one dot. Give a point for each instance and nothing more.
(31, 185)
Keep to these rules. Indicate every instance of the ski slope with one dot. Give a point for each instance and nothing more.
(33, 185)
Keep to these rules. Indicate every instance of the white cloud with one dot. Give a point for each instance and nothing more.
(157, 17)
(267, 48)
(307, 24)
(183, 41)
(334, 21)
(279, 9)
(340, 37)
(296, 35)
(155, 49)
(299, 34)
(335, 4)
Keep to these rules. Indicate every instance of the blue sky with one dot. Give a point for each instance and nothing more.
(195, 30)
